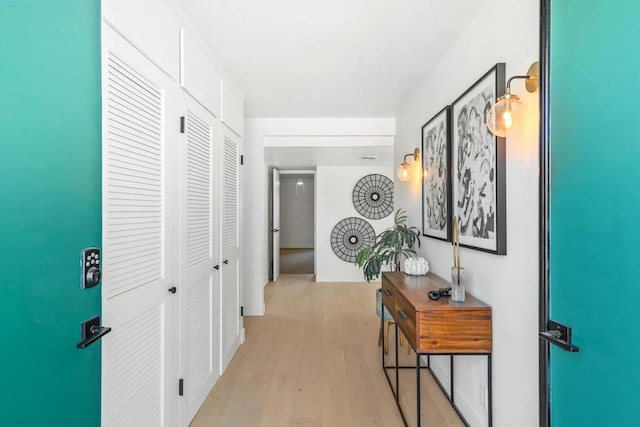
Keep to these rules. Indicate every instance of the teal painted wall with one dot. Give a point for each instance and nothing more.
(595, 210)
(50, 209)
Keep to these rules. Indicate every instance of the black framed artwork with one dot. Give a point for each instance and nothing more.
(436, 179)
(478, 167)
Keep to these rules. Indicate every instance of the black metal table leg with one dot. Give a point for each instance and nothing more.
(451, 388)
(418, 399)
(490, 403)
(382, 329)
(397, 377)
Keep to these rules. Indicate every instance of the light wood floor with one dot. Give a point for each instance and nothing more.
(296, 261)
(312, 361)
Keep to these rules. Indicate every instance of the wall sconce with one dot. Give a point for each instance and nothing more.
(504, 115)
(405, 170)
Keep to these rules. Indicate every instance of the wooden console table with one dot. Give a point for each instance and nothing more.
(439, 327)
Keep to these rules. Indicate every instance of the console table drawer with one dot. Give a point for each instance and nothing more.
(405, 315)
(460, 331)
(388, 294)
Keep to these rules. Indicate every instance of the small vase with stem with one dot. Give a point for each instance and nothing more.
(457, 272)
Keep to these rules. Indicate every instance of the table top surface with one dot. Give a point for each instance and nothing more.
(415, 289)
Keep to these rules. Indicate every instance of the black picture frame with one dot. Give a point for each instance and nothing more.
(478, 167)
(436, 177)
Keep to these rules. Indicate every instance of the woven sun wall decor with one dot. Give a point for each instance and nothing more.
(350, 236)
(373, 196)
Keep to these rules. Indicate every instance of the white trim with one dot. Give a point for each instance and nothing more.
(343, 126)
(328, 141)
(121, 34)
(234, 132)
(254, 310)
(299, 172)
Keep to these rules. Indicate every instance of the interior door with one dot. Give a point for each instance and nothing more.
(50, 205)
(594, 149)
(140, 122)
(199, 287)
(276, 224)
(230, 268)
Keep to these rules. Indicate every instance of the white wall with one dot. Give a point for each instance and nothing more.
(255, 221)
(503, 31)
(334, 187)
(296, 212)
(324, 132)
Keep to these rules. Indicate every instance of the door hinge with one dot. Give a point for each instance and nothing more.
(181, 387)
(242, 159)
(242, 311)
(182, 124)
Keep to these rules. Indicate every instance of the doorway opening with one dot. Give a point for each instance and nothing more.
(293, 223)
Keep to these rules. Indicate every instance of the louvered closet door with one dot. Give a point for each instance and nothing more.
(230, 268)
(199, 287)
(140, 134)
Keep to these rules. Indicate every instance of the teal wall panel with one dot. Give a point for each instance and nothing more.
(595, 210)
(50, 209)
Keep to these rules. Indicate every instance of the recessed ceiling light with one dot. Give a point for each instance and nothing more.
(369, 157)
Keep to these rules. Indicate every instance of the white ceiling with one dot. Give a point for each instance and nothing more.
(328, 58)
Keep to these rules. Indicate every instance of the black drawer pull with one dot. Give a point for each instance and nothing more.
(403, 315)
(386, 292)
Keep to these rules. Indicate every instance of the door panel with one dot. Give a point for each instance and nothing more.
(275, 231)
(594, 173)
(230, 268)
(199, 282)
(140, 139)
(50, 206)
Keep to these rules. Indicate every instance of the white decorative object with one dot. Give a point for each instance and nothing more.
(416, 266)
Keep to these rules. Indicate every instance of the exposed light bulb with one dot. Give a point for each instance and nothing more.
(405, 172)
(504, 116)
(507, 118)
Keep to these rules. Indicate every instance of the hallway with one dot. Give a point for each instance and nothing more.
(313, 360)
(296, 261)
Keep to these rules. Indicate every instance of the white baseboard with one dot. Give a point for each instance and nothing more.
(242, 336)
(462, 401)
(254, 310)
(341, 278)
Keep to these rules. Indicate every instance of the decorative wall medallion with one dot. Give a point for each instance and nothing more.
(350, 236)
(373, 196)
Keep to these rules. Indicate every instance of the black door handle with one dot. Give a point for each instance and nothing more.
(226, 261)
(559, 335)
(92, 332)
(275, 230)
(173, 289)
(216, 267)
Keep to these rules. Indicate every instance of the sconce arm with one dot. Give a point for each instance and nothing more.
(516, 77)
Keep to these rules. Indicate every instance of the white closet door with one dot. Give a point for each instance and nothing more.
(199, 287)
(230, 268)
(140, 132)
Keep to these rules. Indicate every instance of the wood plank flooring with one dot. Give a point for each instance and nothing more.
(313, 361)
(296, 261)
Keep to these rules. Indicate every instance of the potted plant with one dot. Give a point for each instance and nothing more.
(389, 247)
